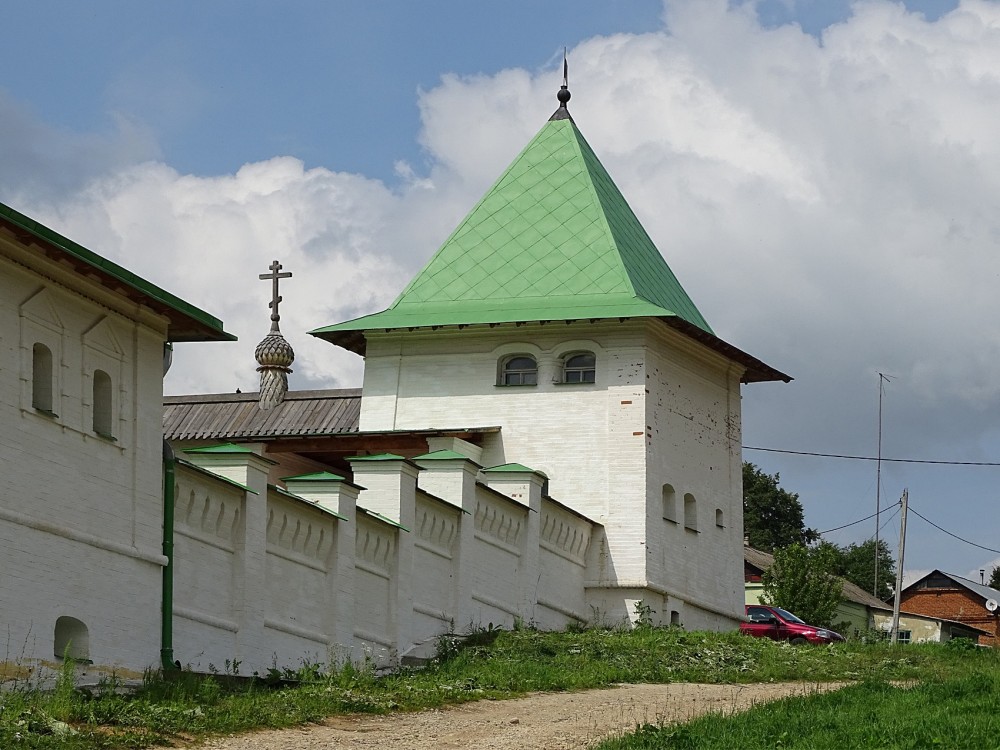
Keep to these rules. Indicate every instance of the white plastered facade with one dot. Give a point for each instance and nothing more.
(80, 498)
(662, 418)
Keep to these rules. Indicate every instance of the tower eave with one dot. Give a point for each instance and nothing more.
(354, 339)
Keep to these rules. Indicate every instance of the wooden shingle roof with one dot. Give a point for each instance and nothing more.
(232, 416)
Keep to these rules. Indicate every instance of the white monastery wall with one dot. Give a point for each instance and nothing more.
(500, 524)
(374, 609)
(331, 584)
(301, 598)
(564, 540)
(80, 500)
(436, 539)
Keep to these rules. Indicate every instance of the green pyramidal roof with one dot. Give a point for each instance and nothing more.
(553, 239)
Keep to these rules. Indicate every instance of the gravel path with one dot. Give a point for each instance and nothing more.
(553, 721)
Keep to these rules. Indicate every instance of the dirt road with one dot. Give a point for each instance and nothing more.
(553, 721)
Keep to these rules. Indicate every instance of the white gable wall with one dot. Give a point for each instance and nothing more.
(80, 514)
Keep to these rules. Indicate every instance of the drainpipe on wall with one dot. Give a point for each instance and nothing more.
(167, 662)
(167, 598)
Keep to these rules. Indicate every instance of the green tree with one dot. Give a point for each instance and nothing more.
(772, 516)
(856, 563)
(995, 578)
(801, 580)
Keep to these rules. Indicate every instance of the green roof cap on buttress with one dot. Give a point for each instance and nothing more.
(553, 239)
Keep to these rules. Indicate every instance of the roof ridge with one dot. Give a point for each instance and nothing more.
(579, 142)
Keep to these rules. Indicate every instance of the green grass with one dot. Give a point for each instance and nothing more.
(960, 711)
(494, 665)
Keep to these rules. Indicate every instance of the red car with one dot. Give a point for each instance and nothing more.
(780, 625)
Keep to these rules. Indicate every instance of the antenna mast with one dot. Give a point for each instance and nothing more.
(882, 379)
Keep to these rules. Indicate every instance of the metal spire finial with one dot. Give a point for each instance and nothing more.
(274, 354)
(564, 95)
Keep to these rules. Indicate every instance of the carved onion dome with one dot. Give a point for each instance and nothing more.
(274, 351)
(274, 354)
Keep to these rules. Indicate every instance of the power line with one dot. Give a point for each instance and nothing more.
(872, 458)
(915, 512)
(855, 523)
(956, 536)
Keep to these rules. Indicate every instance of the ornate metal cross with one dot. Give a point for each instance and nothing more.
(275, 297)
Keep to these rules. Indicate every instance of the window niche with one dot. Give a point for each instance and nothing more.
(41, 331)
(669, 503)
(518, 369)
(41, 379)
(720, 518)
(579, 367)
(103, 405)
(690, 513)
(71, 640)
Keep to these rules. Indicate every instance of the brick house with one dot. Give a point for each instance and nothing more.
(945, 595)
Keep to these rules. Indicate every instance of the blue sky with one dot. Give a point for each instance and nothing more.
(824, 178)
(331, 82)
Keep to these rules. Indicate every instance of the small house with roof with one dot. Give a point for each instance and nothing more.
(949, 596)
(84, 345)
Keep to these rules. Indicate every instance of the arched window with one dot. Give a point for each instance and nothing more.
(41, 378)
(719, 518)
(690, 513)
(102, 404)
(579, 368)
(519, 369)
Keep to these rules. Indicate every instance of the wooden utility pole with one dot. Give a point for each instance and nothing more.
(899, 566)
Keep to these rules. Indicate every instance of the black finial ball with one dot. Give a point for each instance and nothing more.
(563, 95)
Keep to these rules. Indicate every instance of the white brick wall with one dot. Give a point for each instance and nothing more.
(80, 515)
(332, 587)
(662, 410)
(693, 444)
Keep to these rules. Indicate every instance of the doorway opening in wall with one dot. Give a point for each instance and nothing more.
(71, 640)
